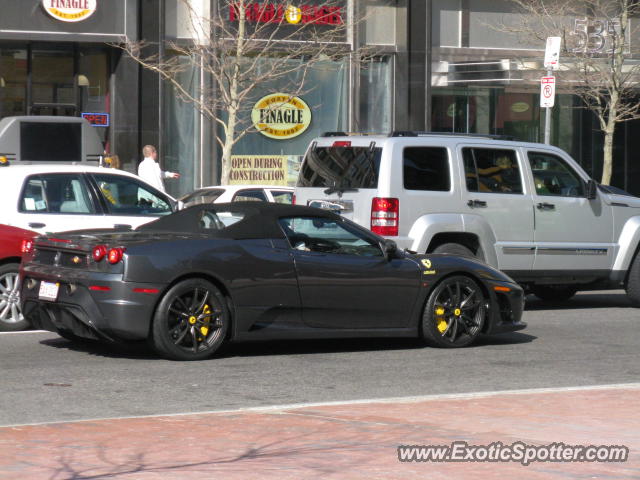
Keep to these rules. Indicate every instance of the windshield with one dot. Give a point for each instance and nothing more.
(341, 167)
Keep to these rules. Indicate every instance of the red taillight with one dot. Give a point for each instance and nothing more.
(341, 143)
(115, 255)
(385, 215)
(99, 252)
(293, 199)
(26, 246)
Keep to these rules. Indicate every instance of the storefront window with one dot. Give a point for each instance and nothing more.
(376, 90)
(13, 81)
(53, 82)
(180, 152)
(324, 90)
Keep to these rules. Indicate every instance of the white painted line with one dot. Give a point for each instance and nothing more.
(283, 409)
(24, 331)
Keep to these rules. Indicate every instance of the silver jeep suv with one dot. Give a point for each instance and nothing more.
(526, 208)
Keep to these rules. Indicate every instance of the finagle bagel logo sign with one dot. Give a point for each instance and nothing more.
(70, 10)
(281, 116)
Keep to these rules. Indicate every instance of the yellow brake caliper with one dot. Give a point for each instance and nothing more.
(205, 328)
(441, 323)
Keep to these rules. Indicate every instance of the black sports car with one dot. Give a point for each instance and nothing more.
(211, 273)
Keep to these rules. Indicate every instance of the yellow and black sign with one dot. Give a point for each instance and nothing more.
(281, 116)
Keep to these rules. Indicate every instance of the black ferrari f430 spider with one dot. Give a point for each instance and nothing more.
(192, 280)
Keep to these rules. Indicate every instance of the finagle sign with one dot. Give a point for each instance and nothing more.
(281, 116)
(70, 10)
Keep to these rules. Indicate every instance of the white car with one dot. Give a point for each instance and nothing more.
(239, 193)
(53, 198)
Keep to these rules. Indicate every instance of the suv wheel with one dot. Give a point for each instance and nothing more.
(633, 283)
(554, 293)
(454, 249)
(11, 319)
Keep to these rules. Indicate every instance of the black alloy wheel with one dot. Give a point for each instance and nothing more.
(455, 313)
(191, 321)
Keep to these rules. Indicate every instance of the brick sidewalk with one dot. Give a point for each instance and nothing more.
(348, 441)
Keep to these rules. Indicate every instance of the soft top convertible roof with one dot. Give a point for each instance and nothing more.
(259, 219)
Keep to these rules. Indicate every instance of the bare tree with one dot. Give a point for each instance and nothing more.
(242, 45)
(598, 61)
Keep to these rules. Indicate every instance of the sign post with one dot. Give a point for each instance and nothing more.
(548, 83)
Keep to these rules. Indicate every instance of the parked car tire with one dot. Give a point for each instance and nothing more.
(633, 282)
(11, 319)
(191, 321)
(554, 293)
(455, 313)
(454, 249)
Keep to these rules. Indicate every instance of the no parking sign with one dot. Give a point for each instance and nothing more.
(547, 91)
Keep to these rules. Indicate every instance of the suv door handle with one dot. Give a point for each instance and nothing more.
(37, 225)
(546, 206)
(477, 203)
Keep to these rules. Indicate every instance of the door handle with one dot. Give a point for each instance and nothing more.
(37, 225)
(546, 206)
(122, 225)
(477, 203)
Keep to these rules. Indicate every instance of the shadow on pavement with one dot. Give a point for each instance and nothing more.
(583, 300)
(280, 347)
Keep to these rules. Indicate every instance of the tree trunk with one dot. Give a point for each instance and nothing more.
(607, 159)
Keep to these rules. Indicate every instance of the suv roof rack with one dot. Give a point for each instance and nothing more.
(411, 133)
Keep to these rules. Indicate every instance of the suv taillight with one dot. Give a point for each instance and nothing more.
(385, 215)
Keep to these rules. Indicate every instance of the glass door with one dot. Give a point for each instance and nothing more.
(53, 90)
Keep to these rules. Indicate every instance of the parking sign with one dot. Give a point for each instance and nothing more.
(547, 91)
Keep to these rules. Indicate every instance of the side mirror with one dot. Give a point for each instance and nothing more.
(389, 248)
(592, 189)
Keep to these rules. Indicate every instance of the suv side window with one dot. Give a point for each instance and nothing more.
(426, 168)
(491, 170)
(126, 196)
(553, 177)
(56, 193)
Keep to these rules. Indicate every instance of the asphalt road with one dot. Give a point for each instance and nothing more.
(591, 340)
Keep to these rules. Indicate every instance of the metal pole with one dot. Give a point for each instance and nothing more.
(547, 119)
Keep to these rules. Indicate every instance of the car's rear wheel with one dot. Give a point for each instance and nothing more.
(454, 249)
(554, 293)
(11, 318)
(191, 321)
(455, 313)
(633, 282)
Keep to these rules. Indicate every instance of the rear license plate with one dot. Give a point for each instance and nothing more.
(48, 291)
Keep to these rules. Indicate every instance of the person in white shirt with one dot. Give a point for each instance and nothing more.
(149, 169)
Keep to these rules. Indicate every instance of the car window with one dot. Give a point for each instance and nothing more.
(127, 196)
(282, 196)
(317, 234)
(426, 168)
(553, 177)
(491, 170)
(56, 193)
(254, 195)
(341, 166)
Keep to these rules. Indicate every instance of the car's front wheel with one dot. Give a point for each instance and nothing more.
(455, 313)
(11, 318)
(191, 321)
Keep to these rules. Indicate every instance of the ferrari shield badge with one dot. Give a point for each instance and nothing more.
(426, 263)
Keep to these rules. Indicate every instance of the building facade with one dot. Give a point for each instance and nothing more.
(438, 65)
